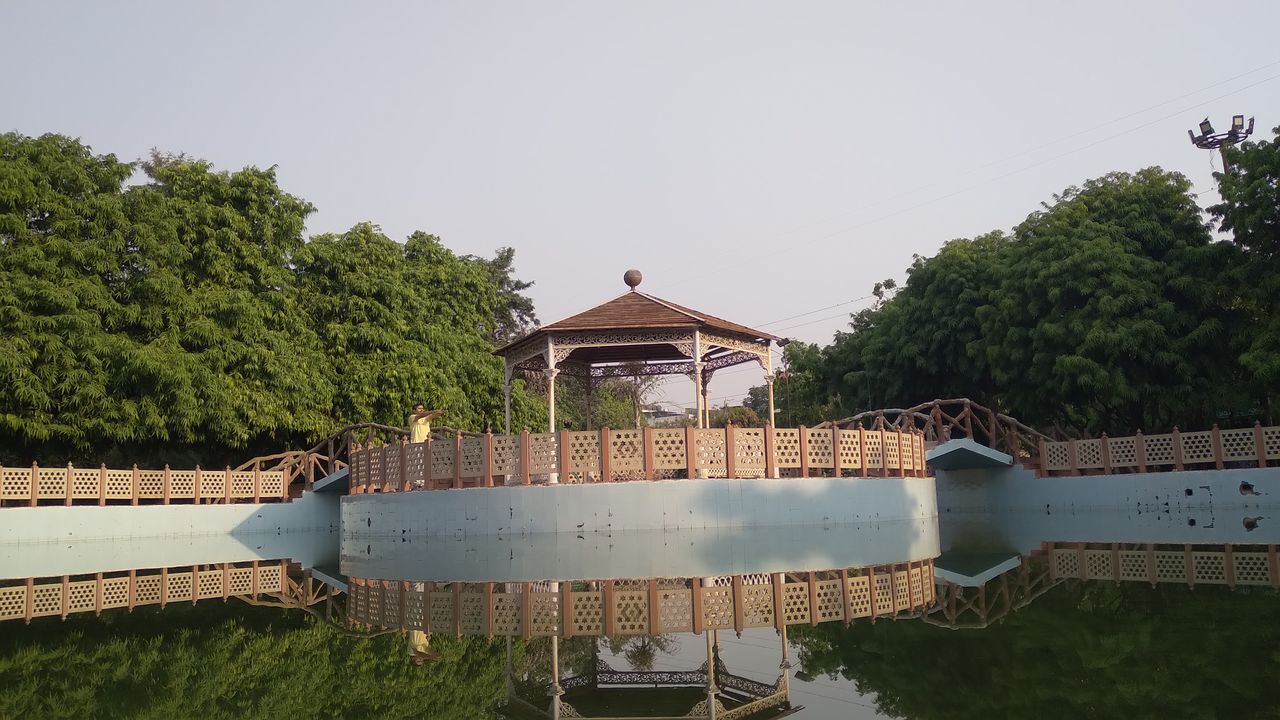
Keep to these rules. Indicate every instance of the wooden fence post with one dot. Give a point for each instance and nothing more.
(226, 485)
(488, 458)
(699, 618)
(1073, 457)
(690, 453)
(739, 615)
(862, 451)
(655, 606)
(457, 460)
(770, 452)
(566, 609)
(257, 483)
(166, 486)
(608, 616)
(35, 484)
(1177, 448)
(835, 451)
(606, 454)
(647, 452)
(405, 483)
(1140, 449)
(134, 482)
(1105, 444)
(730, 461)
(563, 456)
(69, 491)
(195, 487)
(812, 579)
(804, 452)
(1041, 469)
(102, 483)
(1216, 434)
(1260, 443)
(524, 457)
(901, 464)
(779, 580)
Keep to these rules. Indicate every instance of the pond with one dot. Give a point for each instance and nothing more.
(1160, 610)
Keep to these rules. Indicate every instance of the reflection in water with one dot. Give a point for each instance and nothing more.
(1018, 615)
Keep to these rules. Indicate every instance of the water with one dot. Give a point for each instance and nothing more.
(1013, 613)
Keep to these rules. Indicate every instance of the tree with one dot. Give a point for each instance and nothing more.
(739, 415)
(514, 315)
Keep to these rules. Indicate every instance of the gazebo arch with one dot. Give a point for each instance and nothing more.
(637, 334)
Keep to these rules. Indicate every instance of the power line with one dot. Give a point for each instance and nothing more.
(793, 317)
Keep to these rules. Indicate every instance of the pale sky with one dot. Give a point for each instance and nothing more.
(758, 161)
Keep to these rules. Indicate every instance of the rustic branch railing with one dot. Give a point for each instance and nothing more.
(100, 485)
(646, 454)
(134, 588)
(942, 420)
(1257, 446)
(647, 606)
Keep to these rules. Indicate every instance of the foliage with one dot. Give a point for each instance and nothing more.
(514, 314)
(186, 318)
(1110, 309)
(736, 414)
(235, 662)
(1097, 651)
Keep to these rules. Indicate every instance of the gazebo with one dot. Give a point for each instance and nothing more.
(636, 334)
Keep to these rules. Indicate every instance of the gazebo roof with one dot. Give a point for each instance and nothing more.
(634, 311)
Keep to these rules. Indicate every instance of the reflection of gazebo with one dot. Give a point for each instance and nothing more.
(632, 335)
(721, 694)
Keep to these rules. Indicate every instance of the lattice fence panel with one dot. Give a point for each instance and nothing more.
(115, 592)
(473, 607)
(52, 482)
(373, 474)
(748, 452)
(13, 602)
(1158, 449)
(506, 613)
(901, 590)
(415, 463)
(1133, 565)
(849, 450)
(84, 483)
(441, 611)
(472, 457)
(1252, 568)
(1209, 567)
(442, 460)
(795, 603)
(182, 484)
(906, 453)
(80, 595)
(146, 590)
(588, 618)
(241, 484)
(1066, 563)
(892, 452)
(415, 608)
(1238, 444)
(46, 600)
(821, 453)
(15, 484)
(874, 440)
(1197, 447)
(180, 586)
(786, 447)
(544, 453)
(717, 607)
(675, 607)
(830, 600)
(209, 584)
(273, 484)
(1057, 456)
(271, 579)
(213, 484)
(757, 605)
(709, 451)
(1088, 454)
(859, 596)
(630, 612)
(1271, 442)
(506, 455)
(120, 484)
(1124, 451)
(917, 588)
(884, 593)
(391, 466)
(668, 449)
(626, 454)
(584, 452)
(240, 581)
(1171, 566)
(546, 613)
(1098, 565)
(391, 608)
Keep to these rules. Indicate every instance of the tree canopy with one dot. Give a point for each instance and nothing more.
(165, 311)
(1113, 308)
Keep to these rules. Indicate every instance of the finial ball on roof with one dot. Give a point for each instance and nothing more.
(632, 278)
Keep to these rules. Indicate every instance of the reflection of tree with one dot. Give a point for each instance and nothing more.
(1079, 651)
(641, 650)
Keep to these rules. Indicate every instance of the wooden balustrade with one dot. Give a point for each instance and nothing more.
(1215, 448)
(647, 453)
(129, 589)
(644, 606)
(103, 485)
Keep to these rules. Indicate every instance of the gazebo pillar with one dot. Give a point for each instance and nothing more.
(706, 405)
(768, 380)
(711, 676)
(553, 478)
(556, 690)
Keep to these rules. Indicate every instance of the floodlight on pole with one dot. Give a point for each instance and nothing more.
(1209, 140)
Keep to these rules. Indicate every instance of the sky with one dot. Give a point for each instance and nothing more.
(763, 162)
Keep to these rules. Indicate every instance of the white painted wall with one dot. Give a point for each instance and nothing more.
(617, 507)
(640, 553)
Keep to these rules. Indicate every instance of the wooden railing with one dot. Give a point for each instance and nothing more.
(34, 598)
(648, 606)
(942, 420)
(646, 454)
(101, 485)
(1257, 446)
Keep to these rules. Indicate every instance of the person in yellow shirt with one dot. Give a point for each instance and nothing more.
(420, 423)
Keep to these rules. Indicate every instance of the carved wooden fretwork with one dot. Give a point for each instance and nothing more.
(736, 358)
(680, 339)
(734, 344)
(521, 357)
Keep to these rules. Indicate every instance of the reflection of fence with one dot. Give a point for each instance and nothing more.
(1229, 565)
(1216, 448)
(102, 485)
(648, 454)
(103, 591)
(644, 606)
(974, 607)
